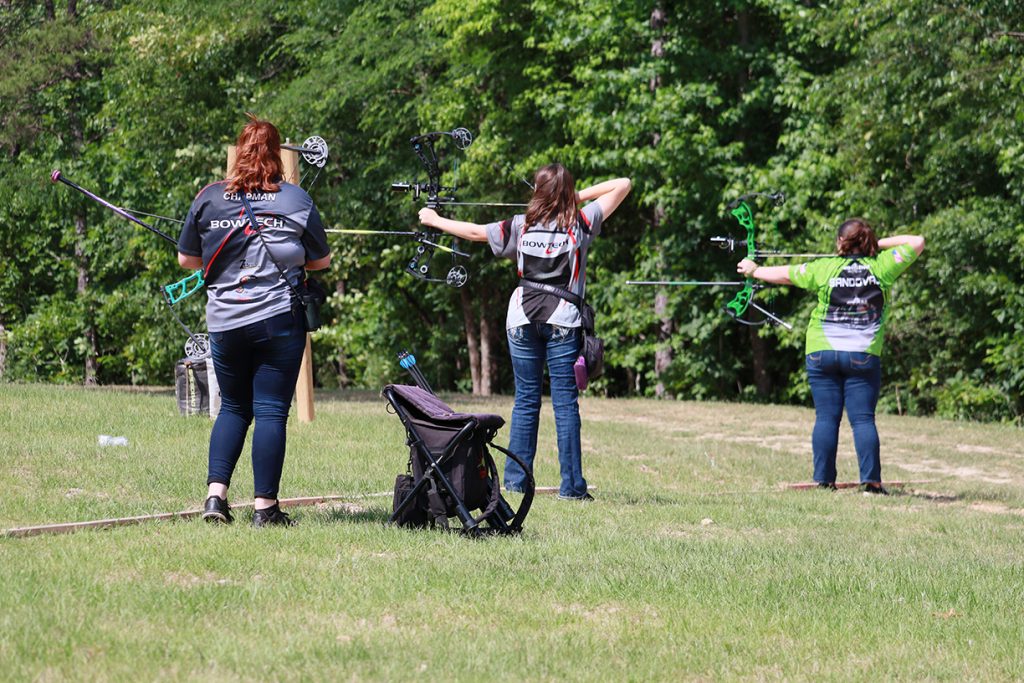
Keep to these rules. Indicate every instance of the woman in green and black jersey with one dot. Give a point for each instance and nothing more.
(844, 338)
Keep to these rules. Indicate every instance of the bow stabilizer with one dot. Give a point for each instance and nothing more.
(198, 345)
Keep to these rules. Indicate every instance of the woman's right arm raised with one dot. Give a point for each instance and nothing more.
(608, 194)
(915, 241)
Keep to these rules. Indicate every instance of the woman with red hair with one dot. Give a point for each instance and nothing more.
(257, 329)
(549, 244)
(844, 339)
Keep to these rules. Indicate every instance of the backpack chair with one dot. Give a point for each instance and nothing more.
(451, 472)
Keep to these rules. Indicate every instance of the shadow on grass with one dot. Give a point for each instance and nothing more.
(932, 496)
(347, 515)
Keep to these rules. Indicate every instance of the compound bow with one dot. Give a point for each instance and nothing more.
(434, 195)
(313, 150)
(737, 307)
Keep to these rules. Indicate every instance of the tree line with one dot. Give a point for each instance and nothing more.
(905, 112)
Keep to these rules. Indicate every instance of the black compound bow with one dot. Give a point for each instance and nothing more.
(433, 194)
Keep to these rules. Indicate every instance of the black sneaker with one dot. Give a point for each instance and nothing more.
(872, 489)
(827, 485)
(272, 516)
(585, 498)
(217, 511)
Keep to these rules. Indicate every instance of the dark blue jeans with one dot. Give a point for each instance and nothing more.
(531, 346)
(853, 380)
(257, 366)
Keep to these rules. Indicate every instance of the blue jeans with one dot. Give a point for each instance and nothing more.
(531, 346)
(257, 366)
(853, 379)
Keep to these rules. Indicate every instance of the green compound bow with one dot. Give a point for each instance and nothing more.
(744, 299)
(740, 210)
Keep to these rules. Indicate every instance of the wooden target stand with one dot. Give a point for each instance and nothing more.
(304, 385)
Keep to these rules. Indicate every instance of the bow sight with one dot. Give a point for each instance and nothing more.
(423, 146)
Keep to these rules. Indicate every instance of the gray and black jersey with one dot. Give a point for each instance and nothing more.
(549, 254)
(242, 283)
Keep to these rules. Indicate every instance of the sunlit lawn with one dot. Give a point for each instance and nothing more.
(693, 563)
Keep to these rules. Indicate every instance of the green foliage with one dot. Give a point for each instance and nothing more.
(901, 111)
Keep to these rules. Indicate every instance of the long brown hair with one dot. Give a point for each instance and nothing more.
(856, 237)
(257, 158)
(554, 197)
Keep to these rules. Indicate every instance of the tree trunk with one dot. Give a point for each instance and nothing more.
(82, 264)
(488, 351)
(81, 257)
(663, 354)
(3, 351)
(759, 346)
(469, 320)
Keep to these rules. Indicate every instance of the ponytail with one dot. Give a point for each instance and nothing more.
(856, 237)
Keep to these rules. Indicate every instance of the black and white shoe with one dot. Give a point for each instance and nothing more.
(873, 489)
(217, 511)
(272, 516)
(585, 498)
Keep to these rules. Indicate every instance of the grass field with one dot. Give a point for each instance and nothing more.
(693, 563)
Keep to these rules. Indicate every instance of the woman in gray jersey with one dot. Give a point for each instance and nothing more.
(549, 244)
(257, 331)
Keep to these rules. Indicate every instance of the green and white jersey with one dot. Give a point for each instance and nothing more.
(853, 298)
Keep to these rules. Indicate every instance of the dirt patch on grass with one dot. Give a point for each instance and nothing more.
(189, 580)
(985, 450)
(995, 508)
(610, 613)
(930, 466)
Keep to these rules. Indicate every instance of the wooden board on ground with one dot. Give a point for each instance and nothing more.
(855, 484)
(69, 527)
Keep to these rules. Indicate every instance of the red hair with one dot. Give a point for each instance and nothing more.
(257, 158)
(856, 237)
(554, 197)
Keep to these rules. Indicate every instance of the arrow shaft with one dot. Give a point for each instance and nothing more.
(685, 283)
(772, 254)
(347, 231)
(154, 215)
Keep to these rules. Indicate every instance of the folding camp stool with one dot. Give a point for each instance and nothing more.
(451, 469)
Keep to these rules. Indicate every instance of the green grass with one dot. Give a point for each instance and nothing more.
(692, 564)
